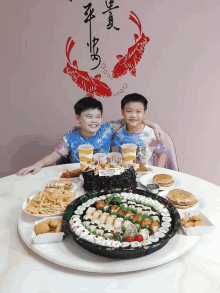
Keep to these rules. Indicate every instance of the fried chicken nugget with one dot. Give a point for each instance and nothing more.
(185, 219)
(197, 218)
(189, 224)
(41, 228)
(47, 221)
(54, 223)
(200, 223)
(58, 228)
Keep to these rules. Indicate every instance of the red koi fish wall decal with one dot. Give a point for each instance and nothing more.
(91, 85)
(131, 59)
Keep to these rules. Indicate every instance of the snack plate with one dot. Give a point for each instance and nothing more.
(201, 205)
(148, 179)
(33, 194)
(139, 174)
(198, 230)
(120, 252)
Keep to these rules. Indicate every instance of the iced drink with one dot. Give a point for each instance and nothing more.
(129, 153)
(85, 155)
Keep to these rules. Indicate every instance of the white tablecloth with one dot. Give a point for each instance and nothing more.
(24, 271)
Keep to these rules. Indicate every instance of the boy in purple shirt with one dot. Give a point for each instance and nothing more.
(134, 108)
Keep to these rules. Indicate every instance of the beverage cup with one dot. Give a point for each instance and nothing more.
(85, 155)
(100, 158)
(114, 158)
(129, 153)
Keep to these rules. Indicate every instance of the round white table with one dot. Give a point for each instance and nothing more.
(24, 271)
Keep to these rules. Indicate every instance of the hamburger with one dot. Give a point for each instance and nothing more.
(163, 180)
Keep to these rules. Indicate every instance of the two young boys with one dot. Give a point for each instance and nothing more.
(89, 113)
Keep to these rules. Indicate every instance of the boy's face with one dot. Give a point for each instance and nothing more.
(90, 121)
(133, 113)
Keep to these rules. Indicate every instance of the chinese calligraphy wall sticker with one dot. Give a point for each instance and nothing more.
(131, 59)
(93, 86)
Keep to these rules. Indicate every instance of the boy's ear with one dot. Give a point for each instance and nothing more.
(122, 112)
(77, 118)
(145, 112)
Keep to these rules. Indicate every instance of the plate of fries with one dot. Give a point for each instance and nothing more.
(49, 202)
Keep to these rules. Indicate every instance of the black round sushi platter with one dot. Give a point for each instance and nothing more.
(123, 253)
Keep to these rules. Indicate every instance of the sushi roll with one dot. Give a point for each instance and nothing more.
(145, 233)
(129, 214)
(136, 244)
(108, 227)
(114, 208)
(146, 222)
(110, 219)
(153, 238)
(106, 207)
(116, 244)
(103, 218)
(100, 204)
(93, 226)
(126, 223)
(109, 233)
(81, 208)
(90, 211)
(100, 230)
(99, 240)
(154, 227)
(87, 217)
(84, 233)
(164, 229)
(124, 203)
(166, 224)
(86, 221)
(96, 214)
(90, 237)
(126, 245)
(121, 212)
(139, 208)
(160, 234)
(146, 210)
(146, 242)
(117, 223)
(136, 218)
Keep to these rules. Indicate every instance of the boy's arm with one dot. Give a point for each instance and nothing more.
(161, 160)
(116, 125)
(157, 130)
(46, 161)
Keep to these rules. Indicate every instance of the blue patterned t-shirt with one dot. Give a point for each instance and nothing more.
(101, 141)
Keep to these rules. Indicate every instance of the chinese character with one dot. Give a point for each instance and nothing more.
(110, 18)
(93, 42)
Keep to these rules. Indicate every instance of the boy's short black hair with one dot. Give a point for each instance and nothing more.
(86, 104)
(134, 98)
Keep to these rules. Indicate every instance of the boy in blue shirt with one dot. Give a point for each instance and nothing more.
(134, 108)
(89, 114)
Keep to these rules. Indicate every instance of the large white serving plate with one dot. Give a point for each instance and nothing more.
(148, 179)
(69, 254)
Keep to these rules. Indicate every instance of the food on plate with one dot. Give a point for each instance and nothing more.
(142, 168)
(71, 174)
(181, 199)
(49, 201)
(66, 184)
(192, 221)
(164, 180)
(48, 226)
(116, 225)
(41, 228)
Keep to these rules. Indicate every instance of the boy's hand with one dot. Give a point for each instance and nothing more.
(159, 134)
(74, 128)
(35, 168)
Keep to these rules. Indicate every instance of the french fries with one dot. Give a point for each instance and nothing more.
(49, 201)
